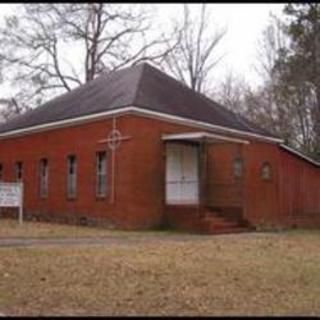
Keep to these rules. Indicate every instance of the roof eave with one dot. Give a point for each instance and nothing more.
(202, 124)
(139, 111)
(297, 153)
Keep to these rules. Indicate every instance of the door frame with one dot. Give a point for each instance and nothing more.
(199, 188)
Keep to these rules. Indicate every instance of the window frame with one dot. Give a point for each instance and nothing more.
(235, 161)
(19, 171)
(266, 164)
(73, 195)
(99, 174)
(42, 194)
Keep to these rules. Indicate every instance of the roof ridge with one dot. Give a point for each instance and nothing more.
(137, 91)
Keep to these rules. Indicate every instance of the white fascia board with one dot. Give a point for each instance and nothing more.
(138, 111)
(64, 123)
(297, 153)
(201, 124)
(200, 135)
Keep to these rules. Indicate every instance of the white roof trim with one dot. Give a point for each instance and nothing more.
(196, 136)
(297, 153)
(203, 125)
(64, 123)
(138, 111)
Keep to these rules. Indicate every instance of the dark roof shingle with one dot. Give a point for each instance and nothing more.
(143, 86)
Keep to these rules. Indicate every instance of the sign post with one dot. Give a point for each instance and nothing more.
(21, 204)
(11, 195)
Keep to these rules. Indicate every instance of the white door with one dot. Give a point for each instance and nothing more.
(182, 174)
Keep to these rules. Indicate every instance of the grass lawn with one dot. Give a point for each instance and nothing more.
(241, 274)
(10, 228)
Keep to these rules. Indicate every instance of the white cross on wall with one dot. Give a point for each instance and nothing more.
(114, 140)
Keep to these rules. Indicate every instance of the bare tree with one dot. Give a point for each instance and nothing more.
(230, 92)
(274, 105)
(9, 108)
(270, 47)
(283, 104)
(270, 105)
(195, 54)
(40, 45)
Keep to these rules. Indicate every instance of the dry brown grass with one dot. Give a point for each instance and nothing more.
(10, 228)
(246, 274)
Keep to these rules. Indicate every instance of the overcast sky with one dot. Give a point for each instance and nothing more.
(244, 23)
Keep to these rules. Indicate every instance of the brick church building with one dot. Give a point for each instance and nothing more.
(136, 149)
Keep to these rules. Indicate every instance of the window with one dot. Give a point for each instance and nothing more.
(238, 168)
(101, 174)
(1, 172)
(43, 168)
(18, 171)
(266, 172)
(72, 176)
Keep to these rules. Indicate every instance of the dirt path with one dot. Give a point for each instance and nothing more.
(27, 242)
(109, 240)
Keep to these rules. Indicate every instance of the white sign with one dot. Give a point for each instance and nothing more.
(11, 195)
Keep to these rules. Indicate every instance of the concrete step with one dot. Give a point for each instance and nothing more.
(212, 216)
(223, 214)
(213, 223)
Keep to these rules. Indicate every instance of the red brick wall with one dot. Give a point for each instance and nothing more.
(224, 190)
(140, 172)
(260, 197)
(56, 145)
(299, 184)
(261, 205)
